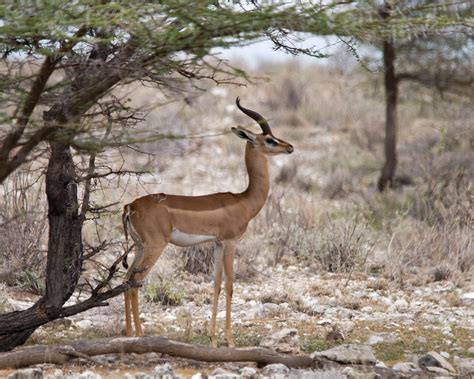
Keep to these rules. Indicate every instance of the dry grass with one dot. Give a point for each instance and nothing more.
(199, 259)
(22, 231)
(323, 208)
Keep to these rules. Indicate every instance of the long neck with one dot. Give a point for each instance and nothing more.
(255, 195)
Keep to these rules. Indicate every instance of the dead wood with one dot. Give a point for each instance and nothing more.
(60, 354)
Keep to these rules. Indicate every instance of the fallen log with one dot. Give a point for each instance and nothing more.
(60, 354)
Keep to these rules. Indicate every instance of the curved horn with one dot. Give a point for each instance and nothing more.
(256, 116)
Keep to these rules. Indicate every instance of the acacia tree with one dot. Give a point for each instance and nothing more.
(433, 41)
(65, 60)
(61, 65)
(440, 58)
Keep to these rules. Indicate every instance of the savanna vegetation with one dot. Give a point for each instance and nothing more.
(111, 102)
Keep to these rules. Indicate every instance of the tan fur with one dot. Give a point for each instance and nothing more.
(151, 219)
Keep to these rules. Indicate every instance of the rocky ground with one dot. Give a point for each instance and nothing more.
(404, 285)
(291, 309)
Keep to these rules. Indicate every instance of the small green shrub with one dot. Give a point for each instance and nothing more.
(164, 293)
(31, 281)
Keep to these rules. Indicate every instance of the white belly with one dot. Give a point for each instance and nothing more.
(184, 239)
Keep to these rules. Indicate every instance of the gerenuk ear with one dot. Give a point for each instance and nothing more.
(245, 134)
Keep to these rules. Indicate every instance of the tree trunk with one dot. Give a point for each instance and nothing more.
(387, 176)
(64, 251)
(65, 243)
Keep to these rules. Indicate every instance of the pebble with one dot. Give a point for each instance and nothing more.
(405, 308)
(89, 375)
(248, 372)
(56, 374)
(220, 373)
(400, 305)
(348, 354)
(84, 324)
(467, 299)
(405, 367)
(324, 322)
(144, 375)
(386, 301)
(445, 354)
(164, 371)
(373, 340)
(26, 373)
(284, 341)
(275, 369)
(332, 301)
(465, 366)
(435, 360)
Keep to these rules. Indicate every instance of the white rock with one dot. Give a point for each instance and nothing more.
(84, 324)
(270, 309)
(346, 326)
(284, 308)
(438, 370)
(144, 375)
(169, 317)
(197, 376)
(383, 337)
(386, 301)
(329, 312)
(465, 366)
(89, 375)
(405, 367)
(305, 374)
(445, 354)
(348, 372)
(348, 354)
(324, 322)
(401, 304)
(164, 371)
(276, 370)
(381, 364)
(26, 373)
(220, 373)
(446, 331)
(283, 341)
(317, 309)
(56, 374)
(467, 299)
(421, 339)
(374, 295)
(375, 339)
(248, 373)
(433, 359)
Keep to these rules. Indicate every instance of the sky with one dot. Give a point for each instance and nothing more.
(263, 52)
